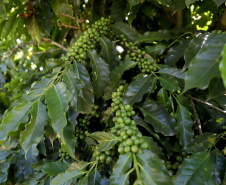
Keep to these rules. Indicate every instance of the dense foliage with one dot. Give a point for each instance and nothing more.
(113, 92)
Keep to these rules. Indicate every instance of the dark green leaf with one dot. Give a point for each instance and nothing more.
(153, 147)
(100, 71)
(133, 3)
(5, 153)
(205, 64)
(34, 130)
(171, 71)
(216, 88)
(188, 2)
(176, 52)
(139, 121)
(117, 10)
(219, 2)
(184, 125)
(84, 100)
(54, 168)
(223, 65)
(59, 7)
(106, 140)
(66, 178)
(201, 143)
(34, 29)
(57, 98)
(219, 163)
(137, 88)
(196, 166)
(156, 50)
(4, 168)
(19, 114)
(94, 177)
(169, 83)
(165, 2)
(116, 75)
(121, 28)
(155, 36)
(162, 96)
(123, 164)
(10, 23)
(178, 5)
(158, 117)
(109, 52)
(153, 170)
(133, 13)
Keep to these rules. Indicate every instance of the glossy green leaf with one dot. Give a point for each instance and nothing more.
(176, 52)
(10, 23)
(34, 29)
(205, 64)
(116, 75)
(139, 121)
(54, 168)
(165, 2)
(84, 100)
(59, 7)
(158, 117)
(162, 96)
(123, 164)
(5, 153)
(133, 13)
(153, 170)
(169, 83)
(19, 114)
(223, 65)
(153, 147)
(196, 166)
(189, 2)
(137, 88)
(106, 140)
(67, 178)
(4, 168)
(216, 88)
(219, 2)
(219, 163)
(171, 71)
(156, 50)
(57, 98)
(201, 143)
(109, 52)
(120, 28)
(155, 36)
(100, 71)
(94, 177)
(34, 130)
(184, 125)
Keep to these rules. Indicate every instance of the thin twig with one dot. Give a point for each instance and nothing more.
(54, 43)
(74, 27)
(8, 53)
(198, 122)
(74, 18)
(209, 104)
(62, 42)
(47, 51)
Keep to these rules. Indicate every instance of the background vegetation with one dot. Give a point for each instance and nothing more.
(113, 92)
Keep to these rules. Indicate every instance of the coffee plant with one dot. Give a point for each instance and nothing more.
(113, 92)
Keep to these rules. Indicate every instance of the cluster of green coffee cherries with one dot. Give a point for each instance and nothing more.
(80, 129)
(88, 39)
(105, 157)
(63, 154)
(146, 65)
(125, 128)
(173, 166)
(96, 111)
